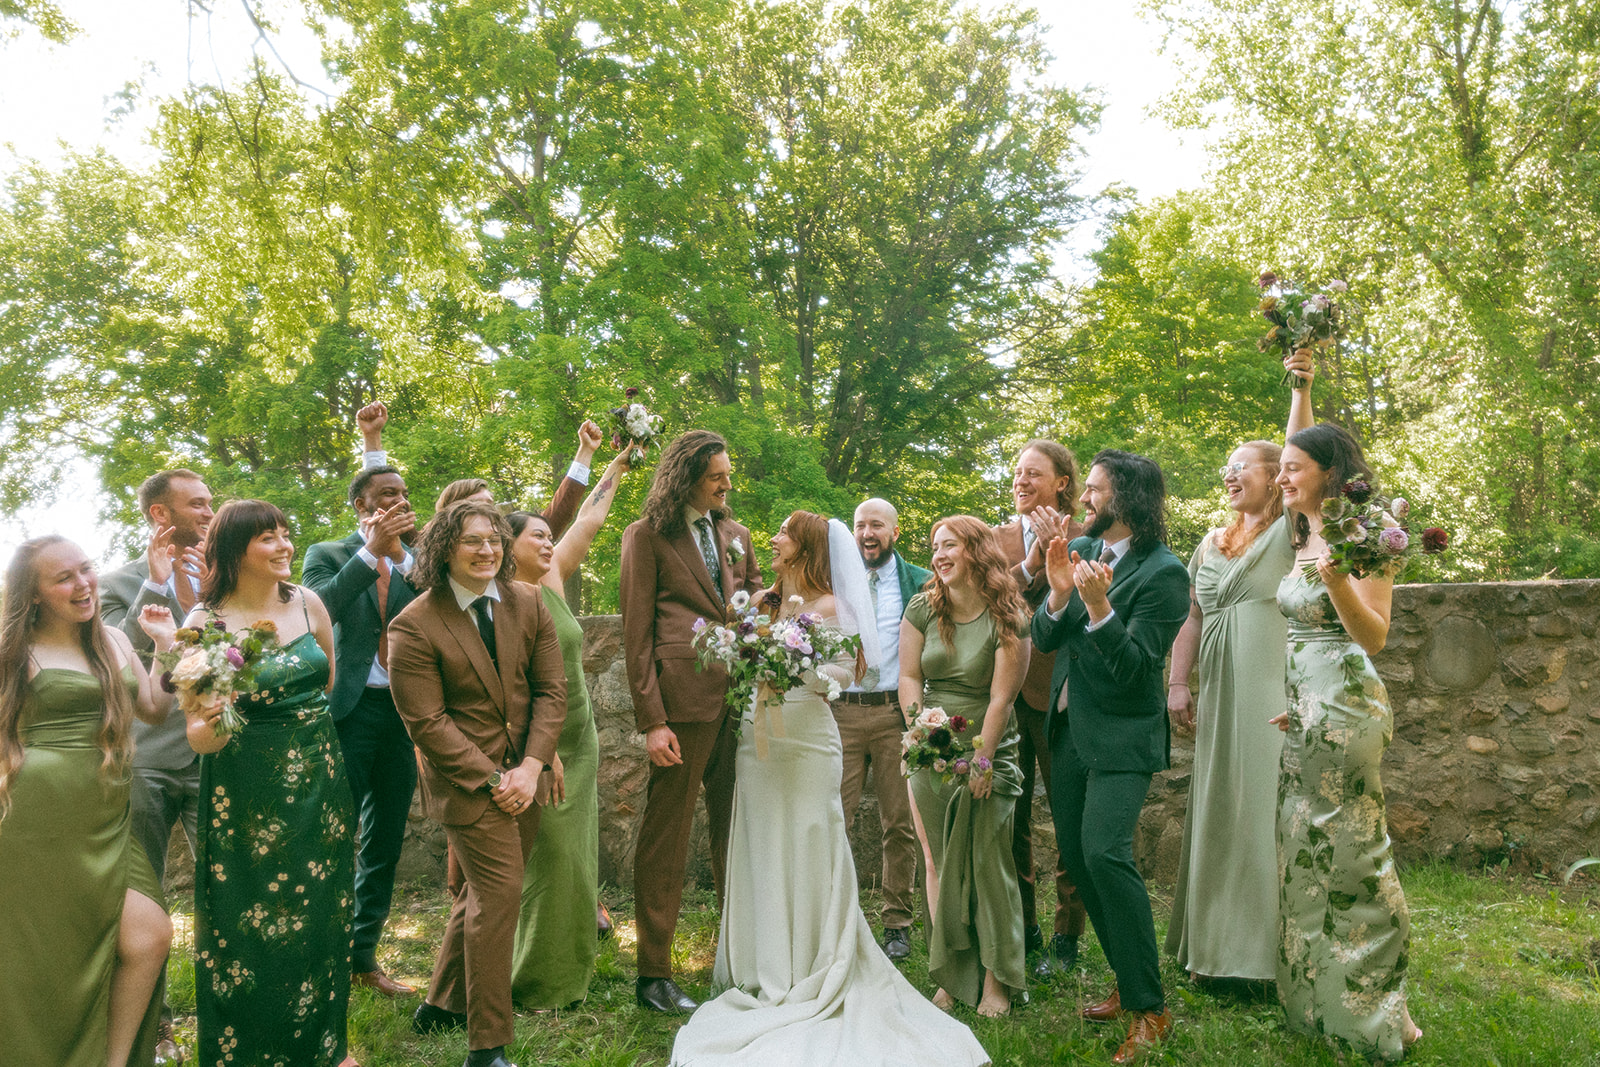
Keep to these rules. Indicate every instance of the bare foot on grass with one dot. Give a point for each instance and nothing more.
(943, 1001)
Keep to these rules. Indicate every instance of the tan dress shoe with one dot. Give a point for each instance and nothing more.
(1148, 1029)
(1103, 1012)
(381, 984)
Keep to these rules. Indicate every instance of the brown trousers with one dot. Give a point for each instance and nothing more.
(708, 750)
(1071, 916)
(870, 736)
(473, 971)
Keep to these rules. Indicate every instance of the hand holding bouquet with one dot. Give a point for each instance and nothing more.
(635, 427)
(207, 667)
(1299, 320)
(758, 649)
(1367, 534)
(935, 741)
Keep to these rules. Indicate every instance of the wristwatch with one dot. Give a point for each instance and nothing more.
(495, 778)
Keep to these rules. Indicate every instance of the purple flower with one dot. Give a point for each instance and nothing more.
(699, 624)
(1394, 540)
(962, 766)
(235, 657)
(1358, 491)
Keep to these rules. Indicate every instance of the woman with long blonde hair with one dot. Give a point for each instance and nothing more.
(82, 929)
(964, 648)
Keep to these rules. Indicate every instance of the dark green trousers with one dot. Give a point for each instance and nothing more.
(1095, 815)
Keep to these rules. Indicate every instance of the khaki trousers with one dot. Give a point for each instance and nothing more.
(870, 736)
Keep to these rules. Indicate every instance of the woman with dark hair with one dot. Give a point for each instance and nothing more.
(275, 869)
(557, 930)
(964, 648)
(1227, 871)
(1343, 926)
(82, 928)
(805, 981)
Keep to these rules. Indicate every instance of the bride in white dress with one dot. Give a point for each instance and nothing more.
(806, 983)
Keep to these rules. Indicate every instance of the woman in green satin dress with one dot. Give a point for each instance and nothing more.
(275, 871)
(1343, 927)
(82, 928)
(964, 648)
(557, 935)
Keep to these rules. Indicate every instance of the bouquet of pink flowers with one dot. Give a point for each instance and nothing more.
(636, 427)
(1368, 534)
(759, 650)
(208, 667)
(1299, 320)
(934, 741)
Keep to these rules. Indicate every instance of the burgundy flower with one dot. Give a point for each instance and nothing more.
(1358, 491)
(1267, 279)
(166, 682)
(940, 738)
(1435, 540)
(958, 724)
(772, 600)
(631, 392)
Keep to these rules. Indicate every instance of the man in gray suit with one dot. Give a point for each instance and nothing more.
(166, 771)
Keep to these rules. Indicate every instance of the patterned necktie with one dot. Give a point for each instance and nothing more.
(480, 608)
(872, 587)
(1108, 557)
(383, 612)
(1028, 537)
(708, 549)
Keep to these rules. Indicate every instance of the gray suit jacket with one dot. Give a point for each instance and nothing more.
(165, 745)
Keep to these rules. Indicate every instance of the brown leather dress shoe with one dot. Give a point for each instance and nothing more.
(1103, 1012)
(381, 984)
(1147, 1030)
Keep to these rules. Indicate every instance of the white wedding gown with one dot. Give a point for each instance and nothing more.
(806, 982)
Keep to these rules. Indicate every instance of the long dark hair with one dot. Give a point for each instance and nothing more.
(18, 619)
(990, 573)
(237, 523)
(683, 463)
(1138, 495)
(443, 532)
(1339, 454)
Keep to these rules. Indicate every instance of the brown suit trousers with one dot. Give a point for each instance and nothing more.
(666, 586)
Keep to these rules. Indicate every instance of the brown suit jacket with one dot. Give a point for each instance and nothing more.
(665, 588)
(1036, 685)
(467, 719)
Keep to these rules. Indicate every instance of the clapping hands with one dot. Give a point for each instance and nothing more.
(161, 556)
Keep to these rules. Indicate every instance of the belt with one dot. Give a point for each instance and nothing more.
(874, 699)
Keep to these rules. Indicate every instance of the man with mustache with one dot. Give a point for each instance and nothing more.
(871, 722)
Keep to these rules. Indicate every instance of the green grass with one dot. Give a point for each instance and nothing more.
(1503, 973)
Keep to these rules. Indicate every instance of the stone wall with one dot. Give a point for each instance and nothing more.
(1496, 753)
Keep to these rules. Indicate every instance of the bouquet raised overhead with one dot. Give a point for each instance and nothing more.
(634, 426)
(1299, 319)
(207, 666)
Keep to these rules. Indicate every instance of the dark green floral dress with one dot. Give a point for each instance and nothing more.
(275, 877)
(1343, 929)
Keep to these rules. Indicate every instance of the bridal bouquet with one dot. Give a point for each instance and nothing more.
(635, 426)
(1299, 320)
(208, 666)
(1368, 534)
(761, 651)
(934, 741)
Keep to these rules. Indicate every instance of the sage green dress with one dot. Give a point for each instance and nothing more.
(275, 877)
(67, 861)
(1344, 932)
(978, 926)
(557, 937)
(1227, 889)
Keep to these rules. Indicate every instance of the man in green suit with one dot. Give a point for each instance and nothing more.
(1118, 597)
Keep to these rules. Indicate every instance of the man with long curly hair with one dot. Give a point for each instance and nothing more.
(681, 561)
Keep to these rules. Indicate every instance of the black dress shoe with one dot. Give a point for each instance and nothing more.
(1059, 960)
(897, 942)
(488, 1057)
(1032, 939)
(663, 994)
(428, 1019)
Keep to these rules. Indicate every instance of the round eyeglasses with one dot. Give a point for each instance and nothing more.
(1231, 468)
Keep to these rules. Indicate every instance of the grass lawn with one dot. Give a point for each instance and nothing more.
(1503, 971)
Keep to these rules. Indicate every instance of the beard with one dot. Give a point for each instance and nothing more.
(875, 557)
(1102, 522)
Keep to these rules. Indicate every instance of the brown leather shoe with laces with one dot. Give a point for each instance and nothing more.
(1103, 1012)
(1147, 1030)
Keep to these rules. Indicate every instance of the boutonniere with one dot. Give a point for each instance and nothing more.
(735, 550)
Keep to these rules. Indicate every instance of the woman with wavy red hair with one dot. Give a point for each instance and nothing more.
(964, 649)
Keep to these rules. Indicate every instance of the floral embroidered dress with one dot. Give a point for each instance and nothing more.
(1343, 928)
(275, 877)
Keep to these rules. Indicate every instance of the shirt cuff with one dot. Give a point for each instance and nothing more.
(167, 590)
(1093, 626)
(579, 472)
(1055, 616)
(380, 458)
(407, 560)
(367, 557)
(1023, 567)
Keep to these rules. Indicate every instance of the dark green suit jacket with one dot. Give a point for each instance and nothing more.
(1117, 717)
(349, 588)
(911, 578)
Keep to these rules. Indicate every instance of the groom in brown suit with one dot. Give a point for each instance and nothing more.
(477, 677)
(680, 562)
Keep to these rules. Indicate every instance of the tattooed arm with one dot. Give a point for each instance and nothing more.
(574, 546)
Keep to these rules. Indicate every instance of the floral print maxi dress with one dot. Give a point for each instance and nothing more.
(1343, 929)
(275, 877)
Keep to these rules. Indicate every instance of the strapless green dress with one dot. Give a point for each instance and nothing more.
(275, 877)
(66, 863)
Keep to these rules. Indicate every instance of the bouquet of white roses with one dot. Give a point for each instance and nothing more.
(208, 666)
(637, 427)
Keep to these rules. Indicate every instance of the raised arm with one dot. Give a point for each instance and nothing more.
(1300, 364)
(574, 546)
